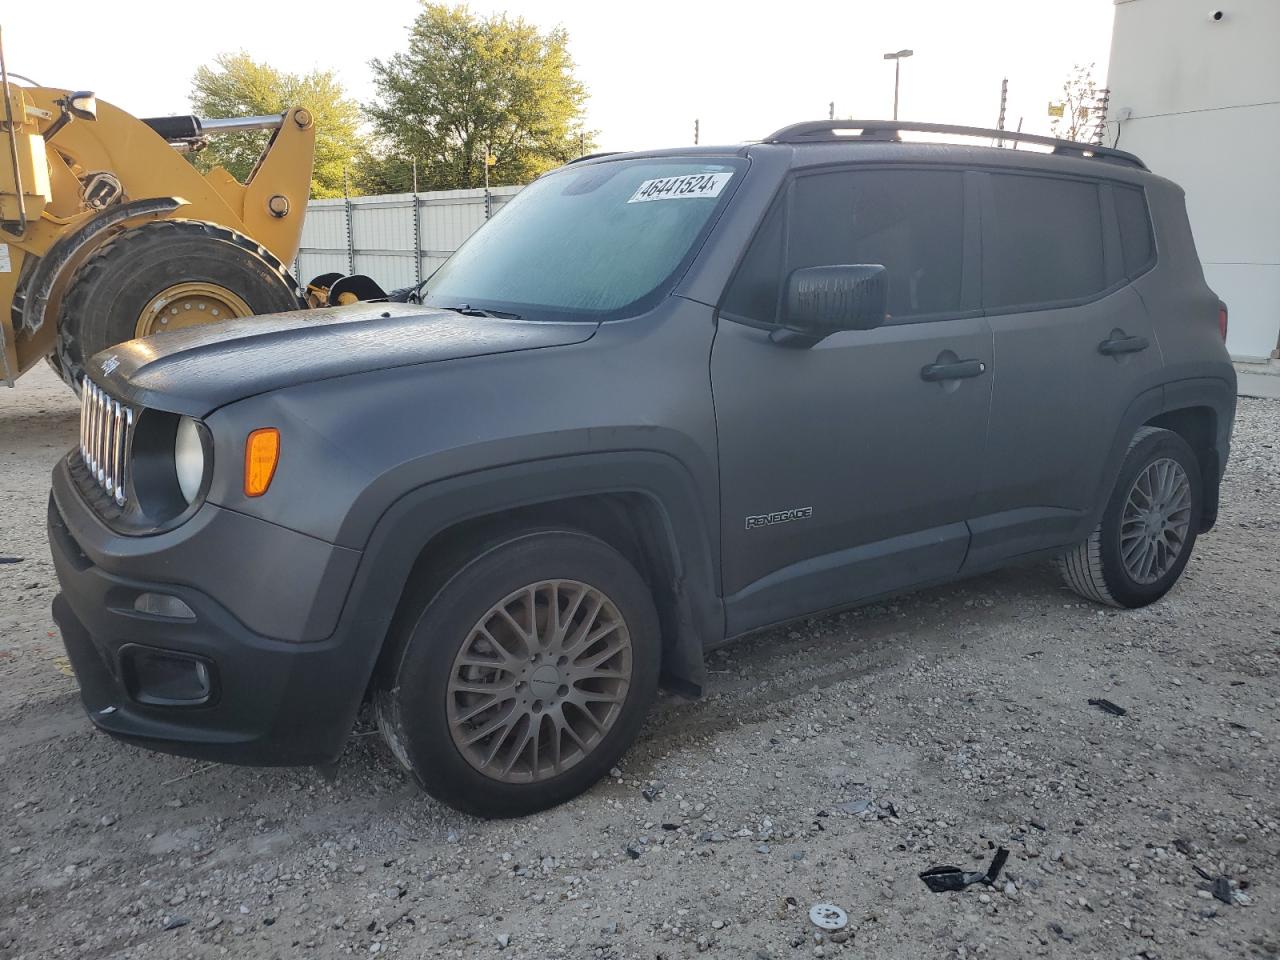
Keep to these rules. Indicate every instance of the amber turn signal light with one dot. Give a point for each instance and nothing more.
(261, 454)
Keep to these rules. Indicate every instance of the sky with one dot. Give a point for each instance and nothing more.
(742, 69)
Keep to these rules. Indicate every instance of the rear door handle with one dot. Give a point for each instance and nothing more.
(956, 370)
(1113, 345)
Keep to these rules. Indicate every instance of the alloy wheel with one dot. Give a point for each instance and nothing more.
(1155, 521)
(539, 681)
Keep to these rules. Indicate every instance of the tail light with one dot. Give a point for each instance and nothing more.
(1222, 321)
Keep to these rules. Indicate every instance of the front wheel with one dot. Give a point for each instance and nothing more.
(526, 676)
(1147, 532)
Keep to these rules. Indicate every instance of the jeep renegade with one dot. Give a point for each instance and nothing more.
(659, 401)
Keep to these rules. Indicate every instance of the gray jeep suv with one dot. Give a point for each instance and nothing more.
(661, 400)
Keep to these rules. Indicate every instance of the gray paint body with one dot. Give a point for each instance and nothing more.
(399, 421)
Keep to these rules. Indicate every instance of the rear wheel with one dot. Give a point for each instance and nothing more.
(161, 276)
(526, 676)
(1148, 530)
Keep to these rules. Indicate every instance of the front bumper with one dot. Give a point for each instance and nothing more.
(273, 701)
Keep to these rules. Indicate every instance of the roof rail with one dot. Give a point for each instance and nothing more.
(826, 131)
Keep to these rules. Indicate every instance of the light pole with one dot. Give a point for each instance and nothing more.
(897, 59)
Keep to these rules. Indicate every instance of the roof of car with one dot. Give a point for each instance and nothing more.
(821, 142)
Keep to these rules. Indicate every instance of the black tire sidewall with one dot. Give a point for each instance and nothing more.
(420, 684)
(110, 290)
(1122, 587)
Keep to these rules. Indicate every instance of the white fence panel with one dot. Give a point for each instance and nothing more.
(325, 224)
(397, 239)
(324, 240)
(382, 235)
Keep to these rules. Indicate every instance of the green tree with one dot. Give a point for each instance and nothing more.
(238, 86)
(468, 84)
(1076, 115)
(377, 170)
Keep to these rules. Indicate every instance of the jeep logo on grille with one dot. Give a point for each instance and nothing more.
(782, 516)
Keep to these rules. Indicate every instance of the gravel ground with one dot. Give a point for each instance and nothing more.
(831, 762)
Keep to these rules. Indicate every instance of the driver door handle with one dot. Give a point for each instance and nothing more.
(1113, 345)
(956, 370)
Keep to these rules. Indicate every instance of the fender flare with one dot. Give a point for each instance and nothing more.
(1143, 407)
(1213, 392)
(418, 515)
(69, 250)
(1219, 395)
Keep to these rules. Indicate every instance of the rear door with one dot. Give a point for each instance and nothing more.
(1074, 346)
(846, 470)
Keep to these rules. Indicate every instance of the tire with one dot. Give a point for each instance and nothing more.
(433, 703)
(1097, 568)
(110, 292)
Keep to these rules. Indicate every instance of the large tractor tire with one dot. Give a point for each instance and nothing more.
(166, 275)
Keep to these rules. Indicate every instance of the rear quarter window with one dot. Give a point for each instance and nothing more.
(1136, 241)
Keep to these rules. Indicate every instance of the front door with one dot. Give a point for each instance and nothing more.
(848, 468)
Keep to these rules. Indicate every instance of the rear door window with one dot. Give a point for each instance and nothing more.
(1046, 242)
(909, 221)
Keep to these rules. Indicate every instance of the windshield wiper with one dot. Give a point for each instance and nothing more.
(469, 311)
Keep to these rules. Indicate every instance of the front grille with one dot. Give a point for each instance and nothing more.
(106, 427)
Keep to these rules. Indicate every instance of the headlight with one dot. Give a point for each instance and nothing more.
(188, 459)
(170, 465)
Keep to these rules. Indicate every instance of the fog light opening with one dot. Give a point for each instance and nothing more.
(166, 678)
(163, 605)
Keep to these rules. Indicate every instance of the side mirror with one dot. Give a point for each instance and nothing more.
(83, 105)
(825, 300)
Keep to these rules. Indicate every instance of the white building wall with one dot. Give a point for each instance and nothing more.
(1199, 101)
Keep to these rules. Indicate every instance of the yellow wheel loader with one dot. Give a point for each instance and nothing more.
(107, 233)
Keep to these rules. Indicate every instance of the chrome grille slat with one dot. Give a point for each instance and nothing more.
(106, 429)
(87, 390)
(124, 456)
(104, 443)
(100, 453)
(99, 417)
(84, 420)
(117, 438)
(111, 466)
(93, 431)
(98, 424)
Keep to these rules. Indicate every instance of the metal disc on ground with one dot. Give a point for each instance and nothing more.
(828, 916)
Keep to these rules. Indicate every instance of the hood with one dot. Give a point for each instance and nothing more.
(199, 369)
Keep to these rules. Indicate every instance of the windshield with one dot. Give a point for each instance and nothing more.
(590, 242)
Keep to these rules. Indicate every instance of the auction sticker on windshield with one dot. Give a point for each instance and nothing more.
(687, 187)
